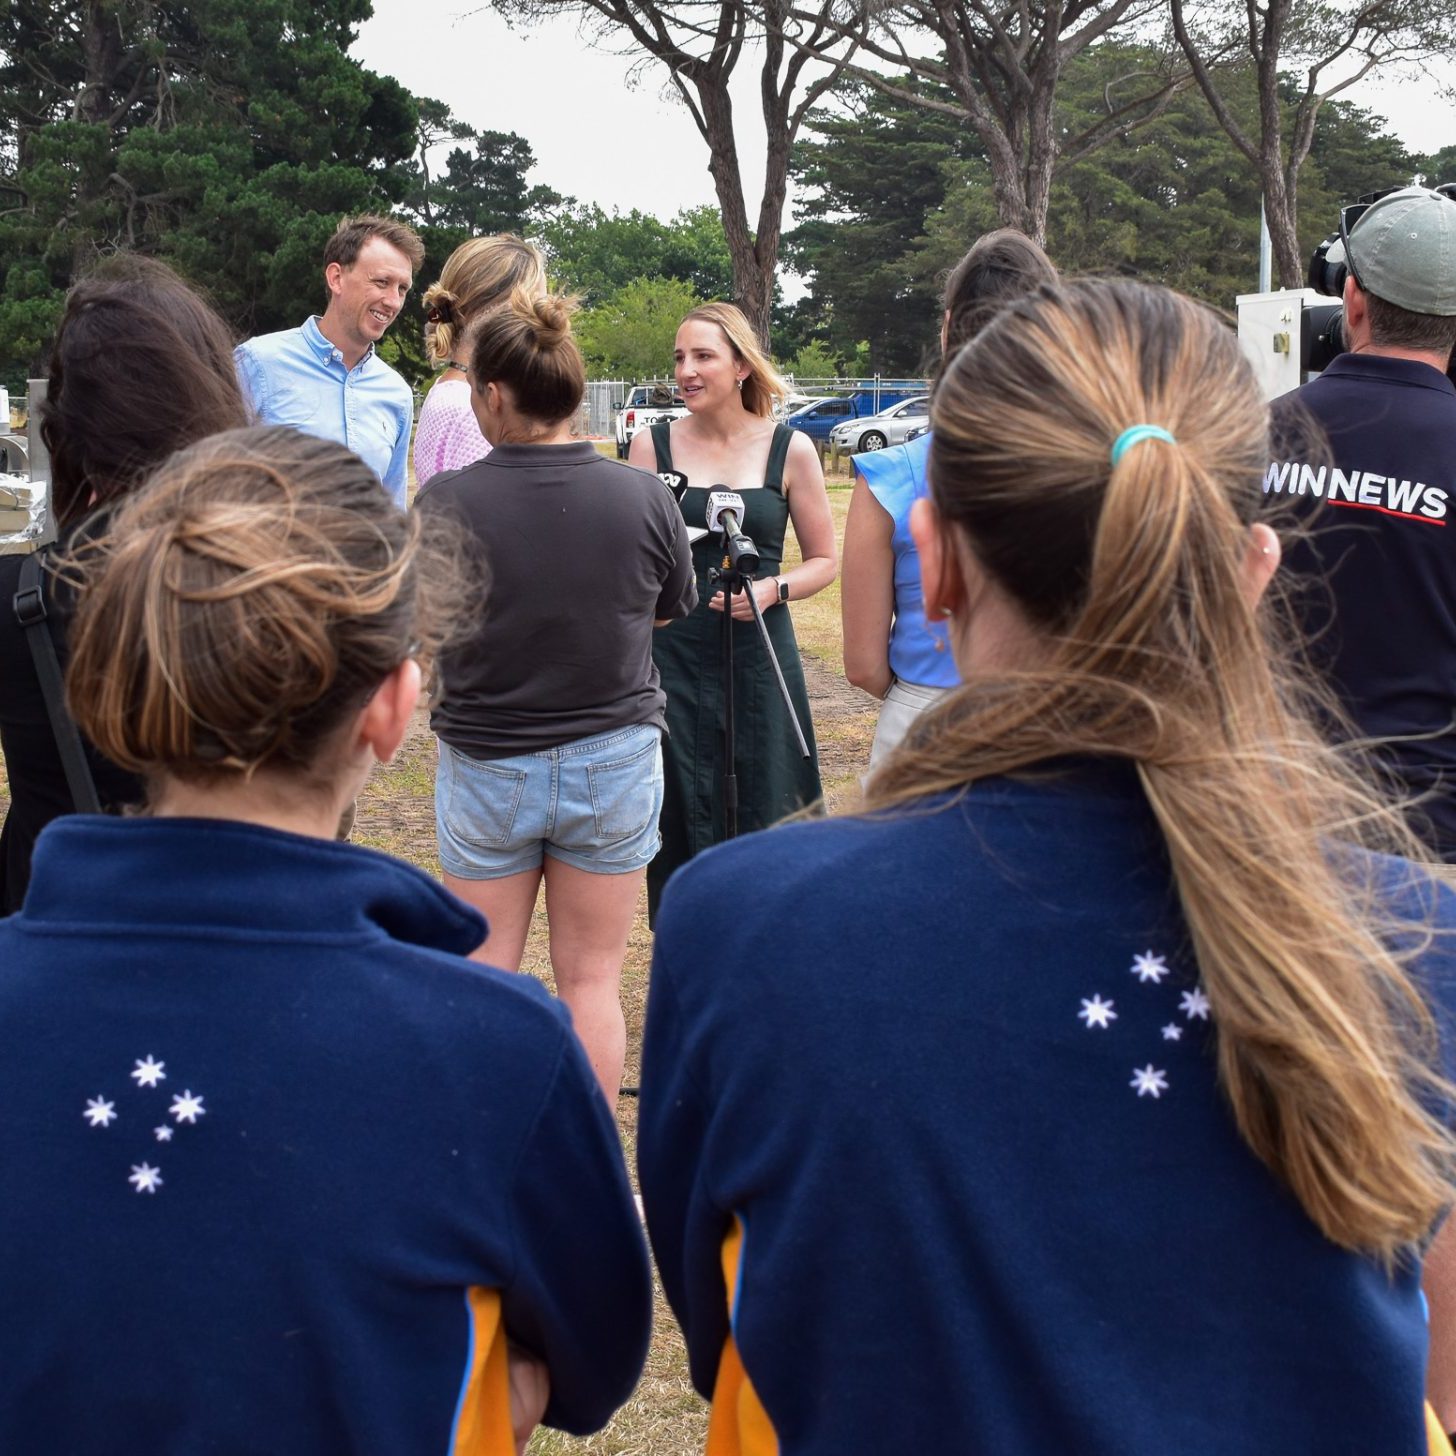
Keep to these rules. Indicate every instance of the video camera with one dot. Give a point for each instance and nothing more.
(1291, 335)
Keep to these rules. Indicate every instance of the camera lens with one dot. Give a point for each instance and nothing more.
(1324, 335)
(1327, 267)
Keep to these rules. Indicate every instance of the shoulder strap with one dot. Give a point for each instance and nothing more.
(662, 443)
(30, 612)
(778, 453)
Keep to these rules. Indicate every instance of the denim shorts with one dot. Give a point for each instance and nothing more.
(593, 804)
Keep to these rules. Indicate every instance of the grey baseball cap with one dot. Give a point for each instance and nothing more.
(1403, 249)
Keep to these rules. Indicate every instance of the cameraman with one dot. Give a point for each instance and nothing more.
(1379, 597)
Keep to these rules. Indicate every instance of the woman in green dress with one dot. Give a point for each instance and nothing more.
(730, 441)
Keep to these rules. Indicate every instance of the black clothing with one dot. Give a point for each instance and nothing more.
(581, 554)
(1379, 600)
(37, 779)
(773, 779)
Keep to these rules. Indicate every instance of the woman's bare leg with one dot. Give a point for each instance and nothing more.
(590, 919)
(507, 903)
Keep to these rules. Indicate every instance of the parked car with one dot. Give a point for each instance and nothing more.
(646, 404)
(890, 427)
(820, 417)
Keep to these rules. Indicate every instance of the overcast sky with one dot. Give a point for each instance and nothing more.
(604, 134)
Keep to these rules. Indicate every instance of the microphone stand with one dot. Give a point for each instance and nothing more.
(736, 574)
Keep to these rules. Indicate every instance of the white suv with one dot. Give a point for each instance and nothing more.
(646, 404)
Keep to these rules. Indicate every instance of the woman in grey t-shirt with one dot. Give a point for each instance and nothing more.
(551, 715)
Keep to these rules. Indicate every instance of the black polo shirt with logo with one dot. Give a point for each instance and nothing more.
(1376, 575)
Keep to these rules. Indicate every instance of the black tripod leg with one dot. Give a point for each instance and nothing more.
(777, 672)
(730, 767)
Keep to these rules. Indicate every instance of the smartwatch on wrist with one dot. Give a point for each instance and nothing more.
(783, 591)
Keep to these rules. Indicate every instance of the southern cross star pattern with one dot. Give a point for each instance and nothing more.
(148, 1072)
(186, 1107)
(1097, 1014)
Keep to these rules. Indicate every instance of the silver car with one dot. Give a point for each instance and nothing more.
(889, 427)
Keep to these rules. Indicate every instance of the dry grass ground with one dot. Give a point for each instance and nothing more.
(396, 813)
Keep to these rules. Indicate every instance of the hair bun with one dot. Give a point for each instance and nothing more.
(549, 315)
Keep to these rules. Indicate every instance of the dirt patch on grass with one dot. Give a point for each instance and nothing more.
(844, 727)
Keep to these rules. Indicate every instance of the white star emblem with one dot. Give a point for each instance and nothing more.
(146, 1178)
(187, 1108)
(1149, 967)
(164, 1133)
(1097, 1012)
(149, 1072)
(1194, 1003)
(1149, 1081)
(1172, 1032)
(99, 1112)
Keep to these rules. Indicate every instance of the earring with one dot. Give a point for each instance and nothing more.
(740, 386)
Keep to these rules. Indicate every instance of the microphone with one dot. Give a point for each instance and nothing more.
(725, 515)
(675, 481)
(729, 502)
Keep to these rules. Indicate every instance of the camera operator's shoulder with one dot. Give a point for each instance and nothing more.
(1295, 430)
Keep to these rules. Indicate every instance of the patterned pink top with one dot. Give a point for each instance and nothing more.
(447, 437)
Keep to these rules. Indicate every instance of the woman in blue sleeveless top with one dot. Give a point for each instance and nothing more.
(890, 649)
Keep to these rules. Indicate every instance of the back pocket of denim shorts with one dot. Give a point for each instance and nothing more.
(482, 800)
(625, 794)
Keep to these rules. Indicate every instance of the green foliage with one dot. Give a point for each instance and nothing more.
(872, 169)
(485, 190)
(595, 253)
(630, 334)
(223, 135)
(1439, 167)
(897, 194)
(482, 188)
(814, 361)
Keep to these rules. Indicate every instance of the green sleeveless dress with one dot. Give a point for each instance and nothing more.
(773, 779)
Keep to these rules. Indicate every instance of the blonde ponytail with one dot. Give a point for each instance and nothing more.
(1155, 654)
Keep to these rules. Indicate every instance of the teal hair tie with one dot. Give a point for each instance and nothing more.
(1135, 435)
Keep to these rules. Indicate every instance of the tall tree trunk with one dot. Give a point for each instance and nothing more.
(1281, 213)
(752, 281)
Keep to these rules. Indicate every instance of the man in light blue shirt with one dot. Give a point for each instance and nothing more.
(325, 377)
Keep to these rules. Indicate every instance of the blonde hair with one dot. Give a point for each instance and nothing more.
(765, 386)
(244, 605)
(528, 346)
(1133, 572)
(479, 274)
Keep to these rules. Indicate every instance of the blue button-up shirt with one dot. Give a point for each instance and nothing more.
(297, 377)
